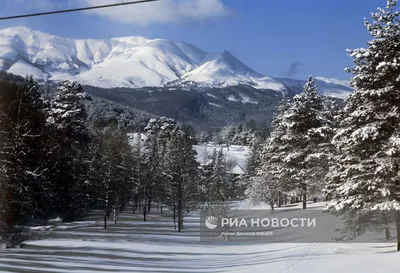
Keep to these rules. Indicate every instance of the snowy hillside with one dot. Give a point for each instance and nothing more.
(131, 62)
(121, 62)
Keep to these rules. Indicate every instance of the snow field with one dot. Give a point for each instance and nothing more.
(153, 246)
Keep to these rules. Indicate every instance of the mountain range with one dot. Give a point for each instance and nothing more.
(157, 77)
(133, 62)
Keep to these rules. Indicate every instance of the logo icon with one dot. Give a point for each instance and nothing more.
(212, 222)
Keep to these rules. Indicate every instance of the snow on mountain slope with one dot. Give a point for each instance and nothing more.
(121, 62)
(326, 86)
(226, 70)
(333, 81)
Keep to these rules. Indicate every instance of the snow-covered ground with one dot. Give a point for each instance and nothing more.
(233, 153)
(153, 246)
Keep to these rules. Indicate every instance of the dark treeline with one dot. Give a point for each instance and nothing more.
(43, 153)
(56, 161)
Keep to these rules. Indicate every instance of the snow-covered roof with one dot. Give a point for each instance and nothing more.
(237, 170)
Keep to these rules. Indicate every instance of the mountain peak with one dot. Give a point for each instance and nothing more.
(227, 54)
(123, 62)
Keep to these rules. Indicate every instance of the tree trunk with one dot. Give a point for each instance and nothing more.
(180, 206)
(144, 212)
(149, 204)
(180, 214)
(387, 233)
(136, 203)
(304, 188)
(398, 230)
(105, 221)
(174, 215)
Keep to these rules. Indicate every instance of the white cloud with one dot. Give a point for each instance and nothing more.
(163, 11)
(40, 5)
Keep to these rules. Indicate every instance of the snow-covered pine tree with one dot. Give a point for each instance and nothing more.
(157, 134)
(5, 190)
(220, 179)
(323, 154)
(181, 168)
(369, 140)
(331, 116)
(302, 138)
(269, 178)
(112, 169)
(137, 186)
(206, 181)
(22, 121)
(253, 159)
(70, 134)
(27, 116)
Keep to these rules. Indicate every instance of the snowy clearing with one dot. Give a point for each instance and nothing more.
(235, 153)
(135, 246)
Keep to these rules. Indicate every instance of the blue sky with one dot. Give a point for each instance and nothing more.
(293, 38)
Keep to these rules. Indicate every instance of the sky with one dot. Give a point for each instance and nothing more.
(291, 38)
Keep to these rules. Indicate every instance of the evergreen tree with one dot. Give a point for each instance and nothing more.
(302, 138)
(377, 66)
(157, 133)
(368, 140)
(22, 121)
(267, 181)
(253, 159)
(182, 168)
(220, 179)
(69, 173)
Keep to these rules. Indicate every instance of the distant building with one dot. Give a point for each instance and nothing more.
(237, 170)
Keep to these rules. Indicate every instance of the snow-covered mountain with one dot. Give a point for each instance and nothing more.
(122, 62)
(133, 62)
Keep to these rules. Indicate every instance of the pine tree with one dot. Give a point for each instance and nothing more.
(381, 58)
(322, 152)
(182, 168)
(253, 159)
(268, 180)
(220, 179)
(6, 219)
(368, 139)
(68, 118)
(302, 136)
(112, 168)
(206, 180)
(158, 133)
(22, 121)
